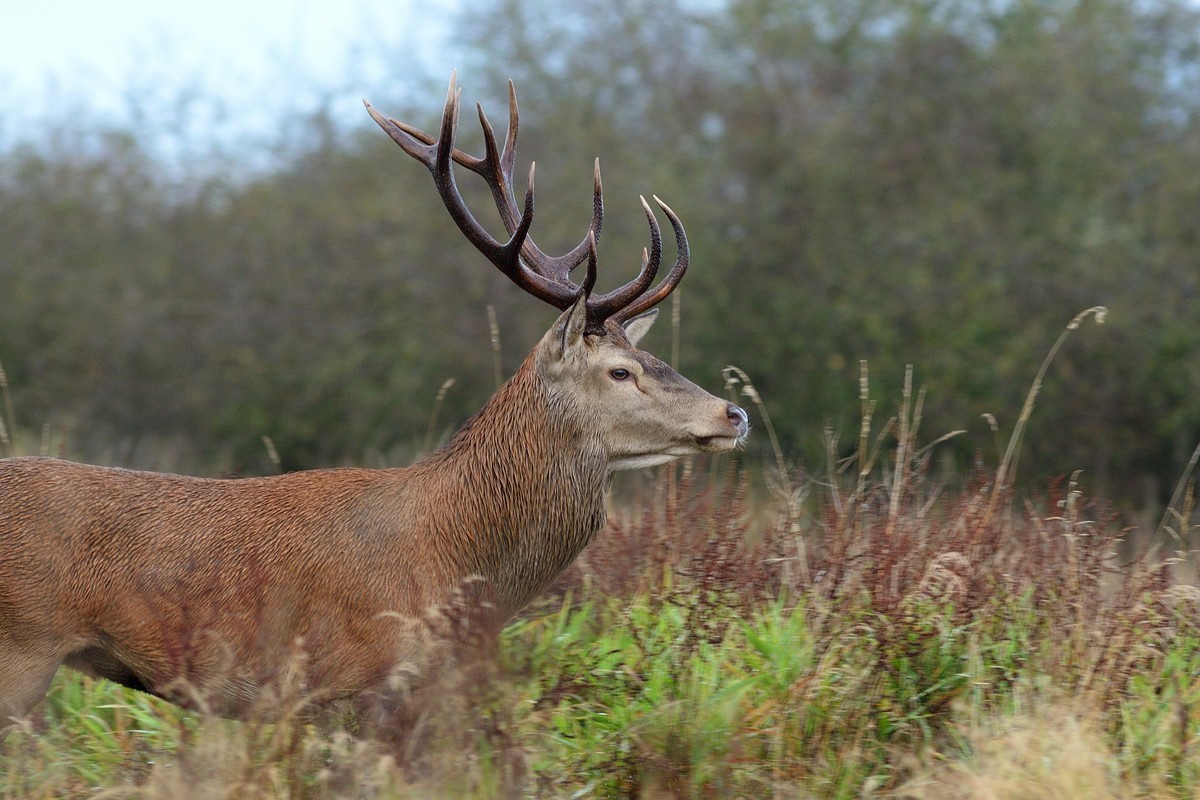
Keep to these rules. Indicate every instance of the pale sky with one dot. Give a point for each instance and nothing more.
(96, 55)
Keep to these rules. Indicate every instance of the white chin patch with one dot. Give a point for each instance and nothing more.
(638, 462)
(719, 444)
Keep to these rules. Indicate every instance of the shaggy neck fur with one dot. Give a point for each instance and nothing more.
(522, 488)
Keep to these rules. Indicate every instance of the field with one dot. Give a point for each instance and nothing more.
(872, 630)
(246, 278)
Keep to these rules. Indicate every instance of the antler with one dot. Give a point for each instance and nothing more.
(544, 276)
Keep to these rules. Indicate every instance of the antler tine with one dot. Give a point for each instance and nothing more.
(544, 276)
(509, 157)
(558, 267)
(650, 299)
(505, 203)
(412, 141)
(589, 280)
(496, 168)
(597, 213)
(507, 256)
(563, 265)
(473, 163)
(438, 156)
(610, 303)
(464, 159)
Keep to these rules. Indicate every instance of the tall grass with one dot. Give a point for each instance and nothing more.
(856, 633)
(8, 419)
(683, 656)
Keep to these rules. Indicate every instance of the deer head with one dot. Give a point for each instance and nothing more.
(641, 411)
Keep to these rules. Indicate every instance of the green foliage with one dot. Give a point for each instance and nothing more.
(1158, 725)
(92, 734)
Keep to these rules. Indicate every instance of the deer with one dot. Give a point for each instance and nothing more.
(202, 591)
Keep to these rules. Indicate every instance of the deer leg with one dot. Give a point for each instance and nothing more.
(24, 678)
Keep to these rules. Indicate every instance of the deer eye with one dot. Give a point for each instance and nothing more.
(619, 374)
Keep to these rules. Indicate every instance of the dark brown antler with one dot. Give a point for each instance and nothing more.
(542, 275)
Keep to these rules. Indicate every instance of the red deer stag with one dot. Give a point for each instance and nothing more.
(203, 591)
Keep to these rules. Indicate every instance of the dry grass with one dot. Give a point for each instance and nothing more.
(1050, 753)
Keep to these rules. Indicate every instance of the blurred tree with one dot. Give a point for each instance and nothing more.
(904, 181)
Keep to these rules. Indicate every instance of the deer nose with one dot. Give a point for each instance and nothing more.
(738, 418)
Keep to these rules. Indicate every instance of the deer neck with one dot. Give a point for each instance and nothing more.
(523, 484)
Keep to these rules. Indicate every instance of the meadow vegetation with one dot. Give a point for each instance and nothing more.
(865, 631)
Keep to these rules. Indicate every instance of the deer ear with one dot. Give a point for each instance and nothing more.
(637, 327)
(568, 330)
